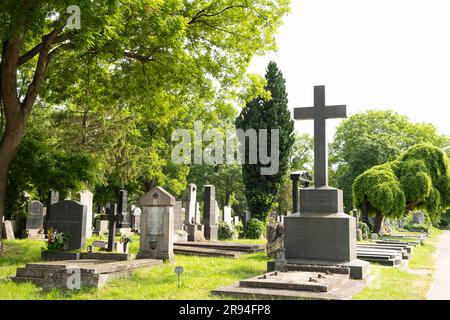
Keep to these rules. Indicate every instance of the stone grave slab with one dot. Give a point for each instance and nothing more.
(294, 285)
(230, 246)
(206, 252)
(93, 273)
(7, 230)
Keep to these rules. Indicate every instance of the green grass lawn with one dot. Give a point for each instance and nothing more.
(412, 283)
(201, 275)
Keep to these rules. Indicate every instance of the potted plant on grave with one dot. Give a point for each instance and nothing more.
(125, 240)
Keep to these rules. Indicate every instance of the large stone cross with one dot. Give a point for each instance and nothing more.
(319, 113)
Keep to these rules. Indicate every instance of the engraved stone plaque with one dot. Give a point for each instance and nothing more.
(155, 221)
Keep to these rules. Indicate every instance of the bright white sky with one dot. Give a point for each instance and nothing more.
(370, 54)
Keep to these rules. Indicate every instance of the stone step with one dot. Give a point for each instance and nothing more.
(380, 259)
(206, 252)
(318, 268)
(239, 247)
(413, 243)
(36, 281)
(405, 247)
(391, 255)
(405, 254)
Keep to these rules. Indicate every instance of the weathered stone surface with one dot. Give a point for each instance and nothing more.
(342, 288)
(7, 230)
(86, 197)
(93, 273)
(300, 281)
(210, 213)
(179, 216)
(275, 239)
(207, 252)
(329, 237)
(238, 247)
(35, 217)
(157, 222)
(70, 217)
(195, 232)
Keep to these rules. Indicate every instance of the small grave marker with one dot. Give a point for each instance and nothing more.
(179, 270)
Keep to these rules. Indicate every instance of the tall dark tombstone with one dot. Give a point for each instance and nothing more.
(70, 217)
(52, 198)
(321, 233)
(295, 177)
(210, 214)
(122, 205)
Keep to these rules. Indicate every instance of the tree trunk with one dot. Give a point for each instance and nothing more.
(378, 223)
(8, 149)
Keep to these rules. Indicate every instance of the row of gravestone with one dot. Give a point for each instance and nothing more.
(38, 217)
(191, 222)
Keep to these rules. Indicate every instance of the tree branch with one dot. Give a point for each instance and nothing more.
(41, 68)
(37, 49)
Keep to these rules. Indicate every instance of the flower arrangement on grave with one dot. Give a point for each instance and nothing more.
(125, 240)
(56, 241)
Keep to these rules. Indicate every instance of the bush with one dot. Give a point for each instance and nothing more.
(227, 231)
(365, 229)
(417, 227)
(240, 230)
(256, 229)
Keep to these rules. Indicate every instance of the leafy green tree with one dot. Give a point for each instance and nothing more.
(418, 179)
(262, 113)
(372, 138)
(40, 166)
(146, 45)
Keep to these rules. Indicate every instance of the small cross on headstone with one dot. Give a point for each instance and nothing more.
(319, 113)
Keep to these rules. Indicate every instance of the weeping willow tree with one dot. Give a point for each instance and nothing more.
(418, 179)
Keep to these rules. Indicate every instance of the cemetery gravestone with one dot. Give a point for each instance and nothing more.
(191, 204)
(7, 230)
(52, 198)
(210, 213)
(35, 221)
(178, 216)
(136, 219)
(321, 232)
(418, 217)
(227, 214)
(86, 197)
(123, 226)
(194, 230)
(157, 224)
(69, 217)
(197, 214)
(236, 220)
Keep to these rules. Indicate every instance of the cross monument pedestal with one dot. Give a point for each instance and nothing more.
(320, 233)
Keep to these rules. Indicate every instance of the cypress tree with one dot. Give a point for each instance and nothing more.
(260, 113)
